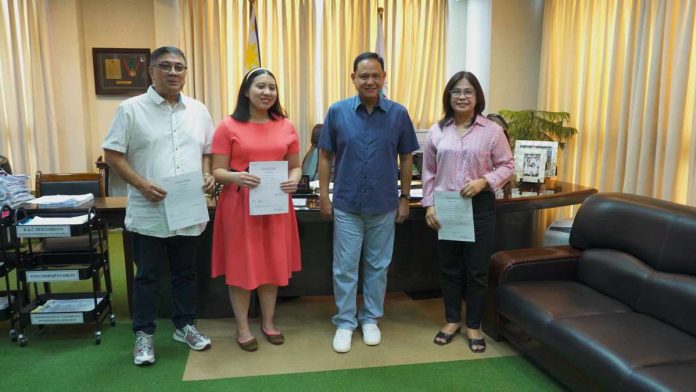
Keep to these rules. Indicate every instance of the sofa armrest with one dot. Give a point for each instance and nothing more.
(550, 263)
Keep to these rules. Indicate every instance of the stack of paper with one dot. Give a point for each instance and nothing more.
(52, 221)
(14, 190)
(62, 201)
(67, 305)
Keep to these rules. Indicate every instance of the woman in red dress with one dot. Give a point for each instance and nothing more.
(254, 251)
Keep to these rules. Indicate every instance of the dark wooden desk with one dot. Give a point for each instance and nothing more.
(414, 266)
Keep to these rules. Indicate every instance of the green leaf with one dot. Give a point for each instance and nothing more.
(537, 125)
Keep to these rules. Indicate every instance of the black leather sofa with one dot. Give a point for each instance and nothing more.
(615, 310)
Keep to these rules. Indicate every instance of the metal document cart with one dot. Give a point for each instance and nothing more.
(64, 245)
(9, 256)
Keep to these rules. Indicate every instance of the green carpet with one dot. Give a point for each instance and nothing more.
(65, 358)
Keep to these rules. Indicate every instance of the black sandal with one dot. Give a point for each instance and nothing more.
(445, 337)
(477, 342)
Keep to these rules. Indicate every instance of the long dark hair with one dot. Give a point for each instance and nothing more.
(446, 97)
(241, 111)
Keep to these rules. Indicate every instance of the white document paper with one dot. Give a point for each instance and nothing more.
(456, 217)
(268, 198)
(67, 305)
(62, 201)
(50, 221)
(185, 201)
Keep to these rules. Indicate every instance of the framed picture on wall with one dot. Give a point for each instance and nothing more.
(121, 71)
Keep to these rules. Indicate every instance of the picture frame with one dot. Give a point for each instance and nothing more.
(533, 164)
(119, 71)
(551, 149)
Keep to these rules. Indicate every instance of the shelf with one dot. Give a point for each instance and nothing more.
(74, 250)
(30, 315)
(63, 246)
(59, 273)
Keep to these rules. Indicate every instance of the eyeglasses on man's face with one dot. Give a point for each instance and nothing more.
(167, 67)
(467, 93)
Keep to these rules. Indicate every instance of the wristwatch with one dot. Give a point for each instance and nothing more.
(405, 196)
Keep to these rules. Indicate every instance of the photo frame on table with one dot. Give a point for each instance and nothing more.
(551, 154)
(533, 164)
(121, 71)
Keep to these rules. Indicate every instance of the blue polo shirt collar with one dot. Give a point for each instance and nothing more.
(383, 104)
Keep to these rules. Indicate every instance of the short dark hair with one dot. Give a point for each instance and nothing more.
(161, 51)
(241, 111)
(367, 56)
(446, 97)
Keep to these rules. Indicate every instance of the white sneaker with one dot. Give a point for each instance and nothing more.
(193, 337)
(144, 350)
(371, 334)
(342, 340)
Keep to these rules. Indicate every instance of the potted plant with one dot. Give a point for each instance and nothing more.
(538, 125)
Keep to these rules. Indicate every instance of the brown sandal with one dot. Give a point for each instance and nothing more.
(276, 339)
(249, 345)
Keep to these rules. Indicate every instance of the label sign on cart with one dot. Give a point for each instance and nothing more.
(31, 231)
(53, 276)
(56, 318)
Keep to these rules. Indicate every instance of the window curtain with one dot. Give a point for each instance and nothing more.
(310, 45)
(415, 51)
(626, 72)
(28, 132)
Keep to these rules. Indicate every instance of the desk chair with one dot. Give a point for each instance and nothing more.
(69, 184)
(103, 169)
(310, 162)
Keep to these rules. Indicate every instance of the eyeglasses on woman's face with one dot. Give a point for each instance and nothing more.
(466, 93)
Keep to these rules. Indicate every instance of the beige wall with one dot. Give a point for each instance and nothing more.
(515, 54)
(76, 26)
(112, 24)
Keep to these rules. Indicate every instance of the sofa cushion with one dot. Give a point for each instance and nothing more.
(672, 299)
(621, 276)
(667, 377)
(614, 273)
(534, 304)
(611, 345)
(659, 232)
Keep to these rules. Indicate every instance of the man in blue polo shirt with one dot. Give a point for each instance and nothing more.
(364, 134)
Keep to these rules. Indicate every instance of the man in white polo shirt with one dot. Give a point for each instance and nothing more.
(160, 134)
